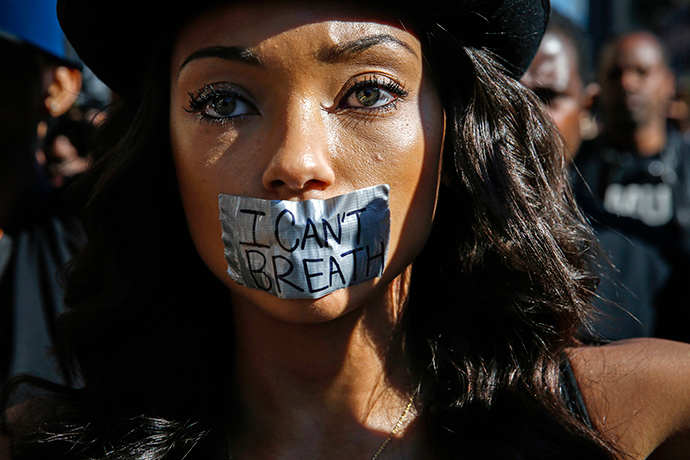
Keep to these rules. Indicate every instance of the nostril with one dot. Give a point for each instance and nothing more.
(312, 184)
(316, 184)
(276, 184)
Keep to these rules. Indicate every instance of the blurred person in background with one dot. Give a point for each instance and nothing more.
(67, 139)
(633, 272)
(561, 75)
(634, 177)
(36, 235)
(66, 149)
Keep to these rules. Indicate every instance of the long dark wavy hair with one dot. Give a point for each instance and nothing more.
(496, 296)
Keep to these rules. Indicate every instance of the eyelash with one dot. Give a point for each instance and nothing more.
(374, 81)
(211, 93)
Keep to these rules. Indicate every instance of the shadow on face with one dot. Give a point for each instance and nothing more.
(297, 103)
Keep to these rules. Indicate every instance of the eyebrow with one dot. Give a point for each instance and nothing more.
(350, 48)
(229, 53)
(330, 54)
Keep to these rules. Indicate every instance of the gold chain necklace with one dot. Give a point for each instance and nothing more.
(395, 429)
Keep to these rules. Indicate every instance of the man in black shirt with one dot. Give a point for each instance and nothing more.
(632, 272)
(637, 172)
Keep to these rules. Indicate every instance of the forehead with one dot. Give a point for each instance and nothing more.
(304, 25)
(555, 64)
(637, 50)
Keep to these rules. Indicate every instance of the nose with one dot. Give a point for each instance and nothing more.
(300, 160)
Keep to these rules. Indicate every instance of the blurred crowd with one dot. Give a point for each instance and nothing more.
(48, 113)
(624, 115)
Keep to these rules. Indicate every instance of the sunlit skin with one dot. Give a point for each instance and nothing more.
(319, 102)
(637, 87)
(311, 101)
(554, 77)
(300, 134)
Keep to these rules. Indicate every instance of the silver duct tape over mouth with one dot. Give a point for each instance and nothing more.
(306, 249)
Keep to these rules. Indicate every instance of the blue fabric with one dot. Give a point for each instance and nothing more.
(34, 22)
(39, 241)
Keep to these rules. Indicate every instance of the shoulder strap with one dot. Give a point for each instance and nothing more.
(570, 390)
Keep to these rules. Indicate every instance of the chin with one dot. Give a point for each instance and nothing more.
(337, 304)
(307, 311)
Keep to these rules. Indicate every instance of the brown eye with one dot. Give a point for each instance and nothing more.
(368, 96)
(372, 92)
(223, 107)
(220, 102)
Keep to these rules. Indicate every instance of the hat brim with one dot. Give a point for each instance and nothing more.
(117, 38)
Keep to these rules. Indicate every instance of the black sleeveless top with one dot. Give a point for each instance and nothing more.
(570, 391)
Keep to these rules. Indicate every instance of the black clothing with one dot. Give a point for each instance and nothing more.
(36, 244)
(647, 196)
(632, 275)
(570, 391)
(640, 209)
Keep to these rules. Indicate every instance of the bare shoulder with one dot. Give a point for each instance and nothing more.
(638, 395)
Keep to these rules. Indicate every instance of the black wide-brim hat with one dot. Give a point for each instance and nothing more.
(117, 38)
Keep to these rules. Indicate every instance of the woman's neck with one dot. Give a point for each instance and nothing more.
(341, 384)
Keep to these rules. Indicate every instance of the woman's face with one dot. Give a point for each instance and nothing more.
(304, 101)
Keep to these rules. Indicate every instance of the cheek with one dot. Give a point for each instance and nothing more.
(414, 184)
(404, 154)
(199, 194)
